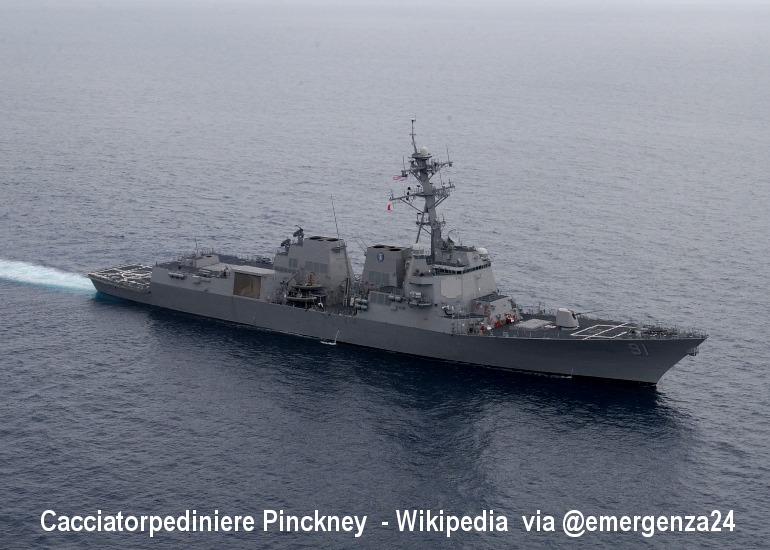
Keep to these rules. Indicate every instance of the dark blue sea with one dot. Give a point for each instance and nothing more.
(613, 157)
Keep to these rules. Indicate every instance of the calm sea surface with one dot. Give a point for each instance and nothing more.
(610, 158)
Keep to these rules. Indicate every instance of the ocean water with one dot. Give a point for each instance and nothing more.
(612, 157)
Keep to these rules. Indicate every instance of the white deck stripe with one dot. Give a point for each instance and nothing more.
(600, 333)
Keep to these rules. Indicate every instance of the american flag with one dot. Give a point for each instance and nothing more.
(399, 178)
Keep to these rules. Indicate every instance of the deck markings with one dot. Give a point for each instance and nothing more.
(622, 329)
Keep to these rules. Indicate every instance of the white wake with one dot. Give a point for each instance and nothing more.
(48, 277)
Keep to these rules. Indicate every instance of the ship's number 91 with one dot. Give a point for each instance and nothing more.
(639, 349)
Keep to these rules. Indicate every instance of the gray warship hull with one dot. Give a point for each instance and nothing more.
(439, 301)
(619, 359)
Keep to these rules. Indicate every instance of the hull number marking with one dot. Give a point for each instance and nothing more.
(639, 349)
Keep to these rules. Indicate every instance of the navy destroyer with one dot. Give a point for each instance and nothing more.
(435, 299)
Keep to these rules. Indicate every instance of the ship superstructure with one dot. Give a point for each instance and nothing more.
(435, 299)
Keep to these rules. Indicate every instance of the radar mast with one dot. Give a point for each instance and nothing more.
(423, 167)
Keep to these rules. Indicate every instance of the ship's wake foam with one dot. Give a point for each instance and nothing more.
(47, 277)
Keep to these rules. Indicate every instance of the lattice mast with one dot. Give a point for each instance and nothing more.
(423, 167)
